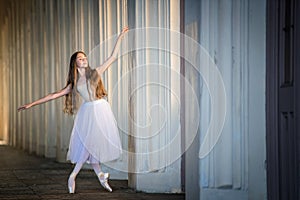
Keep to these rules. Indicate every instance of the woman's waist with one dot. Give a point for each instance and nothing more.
(93, 102)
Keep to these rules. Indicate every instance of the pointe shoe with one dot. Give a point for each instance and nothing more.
(103, 178)
(71, 184)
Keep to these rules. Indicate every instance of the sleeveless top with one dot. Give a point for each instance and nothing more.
(85, 94)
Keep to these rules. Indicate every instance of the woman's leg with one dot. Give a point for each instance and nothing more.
(103, 177)
(76, 169)
(97, 168)
(72, 177)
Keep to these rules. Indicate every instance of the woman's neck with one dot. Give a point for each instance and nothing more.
(81, 72)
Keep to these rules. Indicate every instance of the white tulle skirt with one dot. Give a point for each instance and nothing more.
(95, 137)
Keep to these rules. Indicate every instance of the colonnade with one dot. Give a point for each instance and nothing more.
(38, 37)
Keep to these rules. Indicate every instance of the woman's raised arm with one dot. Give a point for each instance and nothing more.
(114, 53)
(47, 98)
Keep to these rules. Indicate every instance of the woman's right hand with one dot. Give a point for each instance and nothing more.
(24, 107)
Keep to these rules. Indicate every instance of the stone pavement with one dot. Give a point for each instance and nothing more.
(25, 176)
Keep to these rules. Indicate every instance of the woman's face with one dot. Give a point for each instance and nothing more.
(81, 60)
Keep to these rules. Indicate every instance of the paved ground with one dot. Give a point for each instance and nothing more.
(24, 176)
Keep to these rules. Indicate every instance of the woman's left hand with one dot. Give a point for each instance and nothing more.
(124, 30)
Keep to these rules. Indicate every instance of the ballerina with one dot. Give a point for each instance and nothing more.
(95, 137)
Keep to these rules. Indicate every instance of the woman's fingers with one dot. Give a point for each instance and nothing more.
(21, 108)
(24, 107)
(125, 29)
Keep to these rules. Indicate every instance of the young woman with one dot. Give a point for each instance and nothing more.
(95, 138)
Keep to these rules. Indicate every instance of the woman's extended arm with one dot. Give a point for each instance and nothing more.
(113, 55)
(47, 98)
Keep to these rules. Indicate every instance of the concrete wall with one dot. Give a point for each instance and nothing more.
(233, 33)
(38, 38)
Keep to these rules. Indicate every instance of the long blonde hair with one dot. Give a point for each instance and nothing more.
(72, 99)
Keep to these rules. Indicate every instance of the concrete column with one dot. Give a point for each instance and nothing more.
(257, 100)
